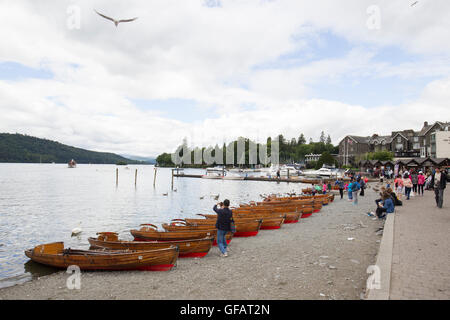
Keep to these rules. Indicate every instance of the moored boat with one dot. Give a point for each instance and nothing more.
(187, 248)
(151, 232)
(54, 255)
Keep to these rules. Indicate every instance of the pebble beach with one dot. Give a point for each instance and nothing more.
(324, 256)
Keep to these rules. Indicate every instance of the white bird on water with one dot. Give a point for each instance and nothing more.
(116, 22)
(76, 231)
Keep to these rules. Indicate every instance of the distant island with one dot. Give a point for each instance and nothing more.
(27, 149)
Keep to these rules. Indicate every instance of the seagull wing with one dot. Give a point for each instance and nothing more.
(128, 20)
(105, 16)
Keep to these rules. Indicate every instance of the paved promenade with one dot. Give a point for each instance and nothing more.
(421, 249)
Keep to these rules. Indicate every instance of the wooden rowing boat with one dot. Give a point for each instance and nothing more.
(150, 232)
(54, 255)
(187, 248)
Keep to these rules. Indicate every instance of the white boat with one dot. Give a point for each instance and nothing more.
(214, 173)
(285, 170)
(322, 172)
(233, 176)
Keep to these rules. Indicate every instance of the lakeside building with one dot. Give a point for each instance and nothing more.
(403, 144)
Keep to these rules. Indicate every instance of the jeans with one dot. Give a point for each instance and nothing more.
(381, 212)
(415, 187)
(341, 192)
(350, 196)
(355, 198)
(407, 192)
(221, 241)
(439, 197)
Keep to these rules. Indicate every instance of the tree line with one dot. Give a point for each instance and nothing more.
(290, 151)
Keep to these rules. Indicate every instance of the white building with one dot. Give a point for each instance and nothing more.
(440, 144)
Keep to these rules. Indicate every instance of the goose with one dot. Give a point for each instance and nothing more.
(165, 194)
(76, 231)
(216, 197)
(116, 22)
(201, 198)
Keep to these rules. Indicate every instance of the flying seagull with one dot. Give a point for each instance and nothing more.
(414, 3)
(116, 22)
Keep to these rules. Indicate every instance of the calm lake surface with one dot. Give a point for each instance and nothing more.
(41, 203)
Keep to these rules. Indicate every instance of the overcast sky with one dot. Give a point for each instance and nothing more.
(214, 70)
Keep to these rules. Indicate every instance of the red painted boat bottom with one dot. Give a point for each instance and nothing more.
(193, 255)
(246, 234)
(306, 215)
(158, 267)
(271, 228)
(215, 242)
(291, 221)
(316, 210)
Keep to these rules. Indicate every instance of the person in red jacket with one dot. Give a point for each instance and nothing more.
(420, 182)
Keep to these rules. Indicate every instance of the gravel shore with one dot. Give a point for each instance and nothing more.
(322, 257)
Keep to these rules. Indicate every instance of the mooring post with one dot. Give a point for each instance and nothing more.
(135, 177)
(154, 176)
(117, 177)
(172, 178)
(288, 173)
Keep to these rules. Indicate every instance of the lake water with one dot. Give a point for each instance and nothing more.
(41, 203)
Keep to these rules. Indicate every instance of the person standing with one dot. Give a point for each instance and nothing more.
(349, 190)
(420, 182)
(415, 180)
(399, 186)
(362, 182)
(340, 183)
(408, 185)
(223, 225)
(355, 188)
(439, 182)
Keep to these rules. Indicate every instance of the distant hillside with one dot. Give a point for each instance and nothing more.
(23, 148)
(149, 160)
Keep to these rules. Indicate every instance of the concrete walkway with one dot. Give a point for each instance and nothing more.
(420, 253)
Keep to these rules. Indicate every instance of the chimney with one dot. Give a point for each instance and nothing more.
(425, 124)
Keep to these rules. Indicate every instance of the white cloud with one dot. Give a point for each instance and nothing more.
(185, 50)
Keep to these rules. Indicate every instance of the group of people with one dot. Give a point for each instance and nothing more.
(356, 185)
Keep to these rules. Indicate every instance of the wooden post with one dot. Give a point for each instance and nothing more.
(135, 177)
(154, 177)
(117, 177)
(288, 173)
(172, 178)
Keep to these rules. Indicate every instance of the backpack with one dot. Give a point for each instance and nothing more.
(355, 187)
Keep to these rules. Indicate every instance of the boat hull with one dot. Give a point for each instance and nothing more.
(187, 248)
(54, 255)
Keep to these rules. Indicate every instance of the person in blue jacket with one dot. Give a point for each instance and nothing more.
(340, 183)
(386, 206)
(223, 225)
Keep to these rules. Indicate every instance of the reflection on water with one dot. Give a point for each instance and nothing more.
(41, 203)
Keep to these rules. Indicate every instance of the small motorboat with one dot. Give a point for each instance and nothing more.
(54, 255)
(187, 248)
(72, 164)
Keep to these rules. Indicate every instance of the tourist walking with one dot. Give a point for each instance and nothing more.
(223, 225)
(420, 182)
(407, 183)
(415, 181)
(439, 182)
